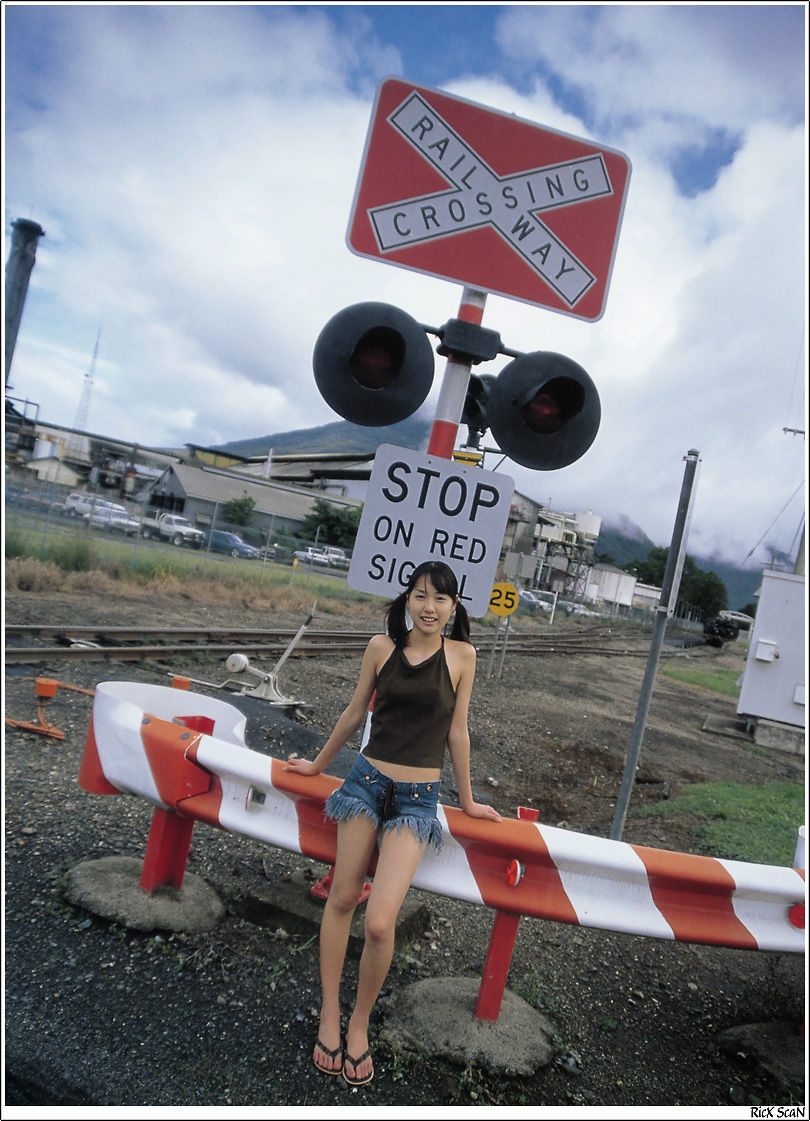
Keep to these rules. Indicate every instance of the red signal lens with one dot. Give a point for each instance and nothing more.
(377, 358)
(552, 405)
(542, 414)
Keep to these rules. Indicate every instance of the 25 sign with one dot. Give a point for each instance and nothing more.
(504, 599)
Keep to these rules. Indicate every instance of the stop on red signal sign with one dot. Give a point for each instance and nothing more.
(492, 201)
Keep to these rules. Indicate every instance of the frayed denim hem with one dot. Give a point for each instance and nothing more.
(427, 830)
(342, 807)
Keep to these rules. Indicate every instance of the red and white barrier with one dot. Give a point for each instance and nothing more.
(186, 753)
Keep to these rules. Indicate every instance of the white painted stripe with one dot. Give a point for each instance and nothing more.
(758, 894)
(447, 872)
(117, 730)
(606, 882)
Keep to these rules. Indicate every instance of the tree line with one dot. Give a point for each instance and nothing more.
(701, 589)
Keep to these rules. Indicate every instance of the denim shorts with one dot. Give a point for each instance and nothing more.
(390, 805)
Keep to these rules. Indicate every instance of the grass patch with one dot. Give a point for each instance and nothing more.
(70, 560)
(71, 554)
(757, 824)
(717, 679)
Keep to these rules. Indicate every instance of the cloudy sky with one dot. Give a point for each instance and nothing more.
(194, 167)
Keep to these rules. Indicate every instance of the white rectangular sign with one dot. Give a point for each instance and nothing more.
(418, 508)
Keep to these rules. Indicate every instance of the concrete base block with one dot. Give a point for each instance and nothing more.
(782, 737)
(437, 1016)
(110, 887)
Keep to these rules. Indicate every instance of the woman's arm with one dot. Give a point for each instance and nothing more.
(458, 740)
(353, 715)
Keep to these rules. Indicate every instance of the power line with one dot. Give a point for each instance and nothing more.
(773, 523)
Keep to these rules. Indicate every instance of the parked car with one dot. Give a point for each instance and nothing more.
(174, 528)
(336, 556)
(78, 505)
(546, 600)
(45, 502)
(273, 552)
(311, 556)
(528, 600)
(31, 499)
(571, 608)
(114, 520)
(13, 494)
(218, 541)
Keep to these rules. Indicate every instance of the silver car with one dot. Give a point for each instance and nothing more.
(114, 519)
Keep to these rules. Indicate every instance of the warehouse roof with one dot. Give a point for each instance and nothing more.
(215, 485)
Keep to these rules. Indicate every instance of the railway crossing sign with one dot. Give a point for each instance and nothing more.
(420, 507)
(453, 189)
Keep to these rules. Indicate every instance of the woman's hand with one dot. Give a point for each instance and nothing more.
(478, 809)
(300, 766)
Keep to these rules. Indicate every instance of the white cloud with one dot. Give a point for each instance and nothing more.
(194, 169)
(717, 65)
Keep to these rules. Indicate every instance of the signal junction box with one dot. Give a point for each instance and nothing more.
(773, 683)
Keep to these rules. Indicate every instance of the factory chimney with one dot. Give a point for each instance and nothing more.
(18, 270)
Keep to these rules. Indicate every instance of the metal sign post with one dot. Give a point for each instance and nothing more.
(499, 205)
(666, 606)
(503, 602)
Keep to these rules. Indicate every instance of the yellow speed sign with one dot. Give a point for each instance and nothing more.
(504, 599)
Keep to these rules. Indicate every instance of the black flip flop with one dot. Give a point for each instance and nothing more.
(329, 1054)
(356, 1063)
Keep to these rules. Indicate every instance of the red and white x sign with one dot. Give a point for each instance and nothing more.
(459, 191)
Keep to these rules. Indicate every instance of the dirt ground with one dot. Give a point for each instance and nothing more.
(638, 1021)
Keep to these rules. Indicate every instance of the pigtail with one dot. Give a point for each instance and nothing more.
(461, 624)
(395, 620)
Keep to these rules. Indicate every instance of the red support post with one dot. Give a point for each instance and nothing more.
(496, 967)
(164, 863)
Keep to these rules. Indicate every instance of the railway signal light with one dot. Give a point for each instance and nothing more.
(373, 364)
(474, 412)
(543, 410)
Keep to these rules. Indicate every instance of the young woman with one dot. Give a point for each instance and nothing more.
(421, 684)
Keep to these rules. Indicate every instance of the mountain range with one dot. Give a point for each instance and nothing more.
(620, 542)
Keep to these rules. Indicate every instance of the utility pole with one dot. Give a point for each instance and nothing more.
(798, 565)
(666, 606)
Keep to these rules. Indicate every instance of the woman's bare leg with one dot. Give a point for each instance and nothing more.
(356, 841)
(400, 853)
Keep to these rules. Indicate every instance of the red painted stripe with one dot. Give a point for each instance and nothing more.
(166, 745)
(471, 313)
(694, 894)
(442, 439)
(489, 852)
(91, 772)
(317, 837)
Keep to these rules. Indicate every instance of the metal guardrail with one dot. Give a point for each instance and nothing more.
(158, 743)
(186, 754)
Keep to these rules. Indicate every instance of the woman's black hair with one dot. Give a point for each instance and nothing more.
(443, 579)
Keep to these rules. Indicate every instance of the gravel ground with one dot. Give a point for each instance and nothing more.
(98, 1015)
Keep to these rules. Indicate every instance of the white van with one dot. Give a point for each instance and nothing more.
(79, 505)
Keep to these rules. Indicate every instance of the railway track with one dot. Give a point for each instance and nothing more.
(32, 643)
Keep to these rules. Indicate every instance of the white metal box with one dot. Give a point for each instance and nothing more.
(773, 682)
